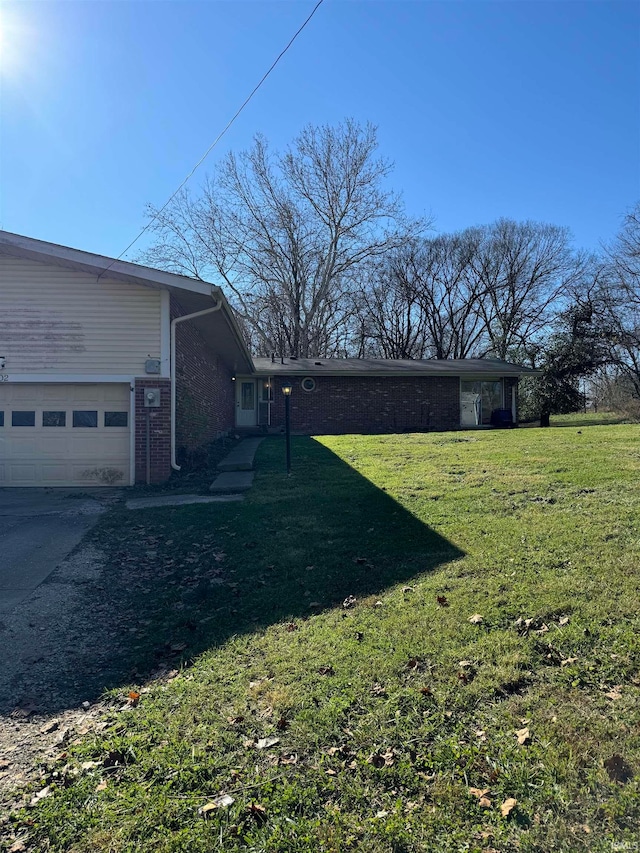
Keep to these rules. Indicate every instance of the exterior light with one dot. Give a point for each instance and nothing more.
(286, 390)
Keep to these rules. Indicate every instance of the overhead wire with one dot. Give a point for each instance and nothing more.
(216, 140)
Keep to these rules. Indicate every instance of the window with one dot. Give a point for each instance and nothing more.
(478, 399)
(1, 418)
(308, 383)
(115, 419)
(248, 396)
(85, 419)
(54, 419)
(23, 419)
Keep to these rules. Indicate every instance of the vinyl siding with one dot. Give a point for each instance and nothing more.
(57, 321)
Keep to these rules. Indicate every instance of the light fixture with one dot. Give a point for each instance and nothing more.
(286, 390)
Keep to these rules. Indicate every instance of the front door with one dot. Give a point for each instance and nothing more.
(246, 403)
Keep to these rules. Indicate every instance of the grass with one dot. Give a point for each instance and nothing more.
(393, 714)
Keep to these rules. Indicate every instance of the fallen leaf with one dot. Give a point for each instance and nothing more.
(615, 692)
(442, 600)
(291, 626)
(235, 721)
(507, 807)
(524, 736)
(426, 691)
(406, 589)
(476, 619)
(378, 690)
(382, 759)
(568, 661)
(134, 698)
(326, 670)
(267, 742)
(564, 620)
(382, 813)
(258, 812)
(89, 765)
(618, 769)
(17, 847)
(481, 795)
(101, 785)
(290, 758)
(4, 764)
(51, 726)
(41, 795)
(350, 601)
(282, 724)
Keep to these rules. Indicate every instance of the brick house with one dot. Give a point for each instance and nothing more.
(111, 372)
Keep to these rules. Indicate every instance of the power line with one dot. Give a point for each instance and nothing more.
(217, 139)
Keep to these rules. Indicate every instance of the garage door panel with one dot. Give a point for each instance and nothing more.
(64, 455)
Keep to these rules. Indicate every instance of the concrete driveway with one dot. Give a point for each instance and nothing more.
(38, 528)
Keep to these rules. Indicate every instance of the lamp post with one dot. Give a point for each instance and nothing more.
(286, 390)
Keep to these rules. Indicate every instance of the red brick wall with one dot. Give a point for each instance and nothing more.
(159, 431)
(369, 404)
(205, 405)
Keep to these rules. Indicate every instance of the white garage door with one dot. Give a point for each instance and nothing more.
(64, 435)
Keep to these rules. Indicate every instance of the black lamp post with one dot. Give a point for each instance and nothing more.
(286, 390)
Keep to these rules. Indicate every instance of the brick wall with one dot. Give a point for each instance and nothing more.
(159, 431)
(369, 404)
(205, 405)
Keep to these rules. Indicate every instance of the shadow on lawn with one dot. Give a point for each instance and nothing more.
(181, 581)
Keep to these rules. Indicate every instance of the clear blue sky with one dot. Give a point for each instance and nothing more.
(528, 110)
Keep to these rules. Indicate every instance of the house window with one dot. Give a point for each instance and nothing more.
(478, 399)
(85, 419)
(115, 419)
(54, 419)
(23, 419)
(1, 419)
(308, 383)
(248, 396)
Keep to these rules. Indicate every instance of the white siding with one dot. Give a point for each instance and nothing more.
(56, 321)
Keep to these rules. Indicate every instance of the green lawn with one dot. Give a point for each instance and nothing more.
(401, 725)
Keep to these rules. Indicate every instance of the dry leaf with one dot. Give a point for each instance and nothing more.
(350, 601)
(291, 626)
(524, 736)
(442, 600)
(51, 726)
(476, 619)
(481, 795)
(101, 785)
(406, 589)
(326, 670)
(134, 698)
(17, 847)
(282, 724)
(291, 758)
(221, 802)
(507, 807)
(267, 742)
(564, 620)
(41, 795)
(568, 661)
(382, 813)
(618, 769)
(258, 812)
(614, 693)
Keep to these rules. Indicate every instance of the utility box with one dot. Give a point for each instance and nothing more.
(152, 365)
(151, 398)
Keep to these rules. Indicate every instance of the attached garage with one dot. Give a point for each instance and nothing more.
(54, 434)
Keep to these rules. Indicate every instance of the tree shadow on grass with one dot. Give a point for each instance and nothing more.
(179, 581)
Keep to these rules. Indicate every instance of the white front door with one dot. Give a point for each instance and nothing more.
(246, 403)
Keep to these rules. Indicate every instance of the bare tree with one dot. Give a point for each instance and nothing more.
(522, 271)
(287, 233)
(424, 302)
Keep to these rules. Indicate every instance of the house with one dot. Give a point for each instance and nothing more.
(110, 372)
(107, 368)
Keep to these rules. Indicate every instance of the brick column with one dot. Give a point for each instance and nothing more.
(159, 431)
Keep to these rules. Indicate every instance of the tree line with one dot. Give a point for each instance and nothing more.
(319, 259)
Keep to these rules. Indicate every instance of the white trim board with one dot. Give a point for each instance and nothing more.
(67, 378)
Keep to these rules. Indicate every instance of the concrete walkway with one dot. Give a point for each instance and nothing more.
(179, 500)
(237, 469)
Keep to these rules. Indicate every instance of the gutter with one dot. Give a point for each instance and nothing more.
(174, 323)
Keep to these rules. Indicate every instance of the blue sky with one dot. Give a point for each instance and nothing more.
(529, 110)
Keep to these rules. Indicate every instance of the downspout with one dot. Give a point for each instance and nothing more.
(174, 323)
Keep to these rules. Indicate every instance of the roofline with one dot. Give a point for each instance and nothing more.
(20, 246)
(40, 250)
(525, 371)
